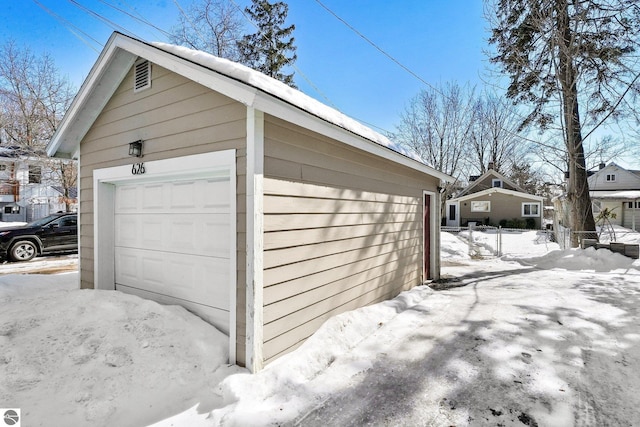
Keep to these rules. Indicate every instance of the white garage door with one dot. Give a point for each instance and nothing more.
(631, 215)
(172, 244)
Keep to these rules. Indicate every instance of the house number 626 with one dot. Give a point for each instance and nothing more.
(138, 169)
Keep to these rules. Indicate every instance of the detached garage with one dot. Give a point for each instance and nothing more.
(209, 185)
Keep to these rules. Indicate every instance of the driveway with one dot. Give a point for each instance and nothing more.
(504, 345)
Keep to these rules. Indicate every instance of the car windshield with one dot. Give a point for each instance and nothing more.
(43, 221)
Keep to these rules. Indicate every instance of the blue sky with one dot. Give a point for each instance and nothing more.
(440, 41)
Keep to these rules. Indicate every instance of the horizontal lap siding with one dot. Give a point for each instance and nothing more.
(503, 207)
(343, 229)
(175, 118)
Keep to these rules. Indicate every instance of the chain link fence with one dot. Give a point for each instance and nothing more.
(487, 242)
(605, 235)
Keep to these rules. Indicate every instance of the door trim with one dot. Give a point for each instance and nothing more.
(199, 166)
(434, 236)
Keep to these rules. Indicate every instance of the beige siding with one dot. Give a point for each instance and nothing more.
(176, 117)
(503, 206)
(487, 183)
(343, 229)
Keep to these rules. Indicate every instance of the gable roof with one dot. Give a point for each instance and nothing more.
(490, 172)
(236, 81)
(493, 190)
(597, 178)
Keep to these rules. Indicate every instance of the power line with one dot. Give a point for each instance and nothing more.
(407, 69)
(106, 21)
(139, 19)
(68, 26)
(292, 65)
(186, 17)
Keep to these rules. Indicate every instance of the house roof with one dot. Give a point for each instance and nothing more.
(490, 172)
(490, 191)
(595, 180)
(236, 81)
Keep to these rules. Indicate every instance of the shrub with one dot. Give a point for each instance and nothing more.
(531, 223)
(516, 223)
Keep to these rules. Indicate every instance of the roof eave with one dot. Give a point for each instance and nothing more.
(121, 52)
(488, 191)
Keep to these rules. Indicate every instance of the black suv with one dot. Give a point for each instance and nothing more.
(54, 233)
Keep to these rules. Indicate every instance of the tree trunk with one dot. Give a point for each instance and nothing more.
(581, 216)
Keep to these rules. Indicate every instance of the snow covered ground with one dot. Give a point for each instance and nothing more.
(549, 338)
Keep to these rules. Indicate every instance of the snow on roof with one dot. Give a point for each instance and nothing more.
(630, 195)
(282, 91)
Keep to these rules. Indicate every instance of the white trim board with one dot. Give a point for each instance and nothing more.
(214, 164)
(255, 239)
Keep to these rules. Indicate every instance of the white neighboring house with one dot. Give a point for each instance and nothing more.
(617, 189)
(27, 191)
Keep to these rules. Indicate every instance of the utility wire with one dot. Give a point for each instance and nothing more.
(203, 39)
(103, 19)
(139, 19)
(70, 27)
(378, 48)
(443, 94)
(292, 65)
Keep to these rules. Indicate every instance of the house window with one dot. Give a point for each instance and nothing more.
(530, 209)
(630, 204)
(35, 174)
(12, 209)
(3, 168)
(481, 206)
(452, 212)
(496, 183)
(611, 177)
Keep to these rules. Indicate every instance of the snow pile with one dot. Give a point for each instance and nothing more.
(517, 345)
(589, 259)
(4, 225)
(289, 385)
(453, 247)
(85, 357)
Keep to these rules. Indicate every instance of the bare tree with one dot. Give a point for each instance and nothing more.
(213, 26)
(573, 62)
(33, 100)
(495, 137)
(436, 126)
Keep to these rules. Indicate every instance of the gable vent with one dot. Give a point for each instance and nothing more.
(142, 78)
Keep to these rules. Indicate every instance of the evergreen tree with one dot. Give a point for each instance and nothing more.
(271, 48)
(577, 56)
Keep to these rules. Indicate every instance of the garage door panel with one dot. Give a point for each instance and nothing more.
(215, 316)
(173, 243)
(127, 199)
(200, 196)
(216, 194)
(197, 234)
(200, 280)
(152, 198)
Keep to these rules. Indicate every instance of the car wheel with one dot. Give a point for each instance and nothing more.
(23, 250)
